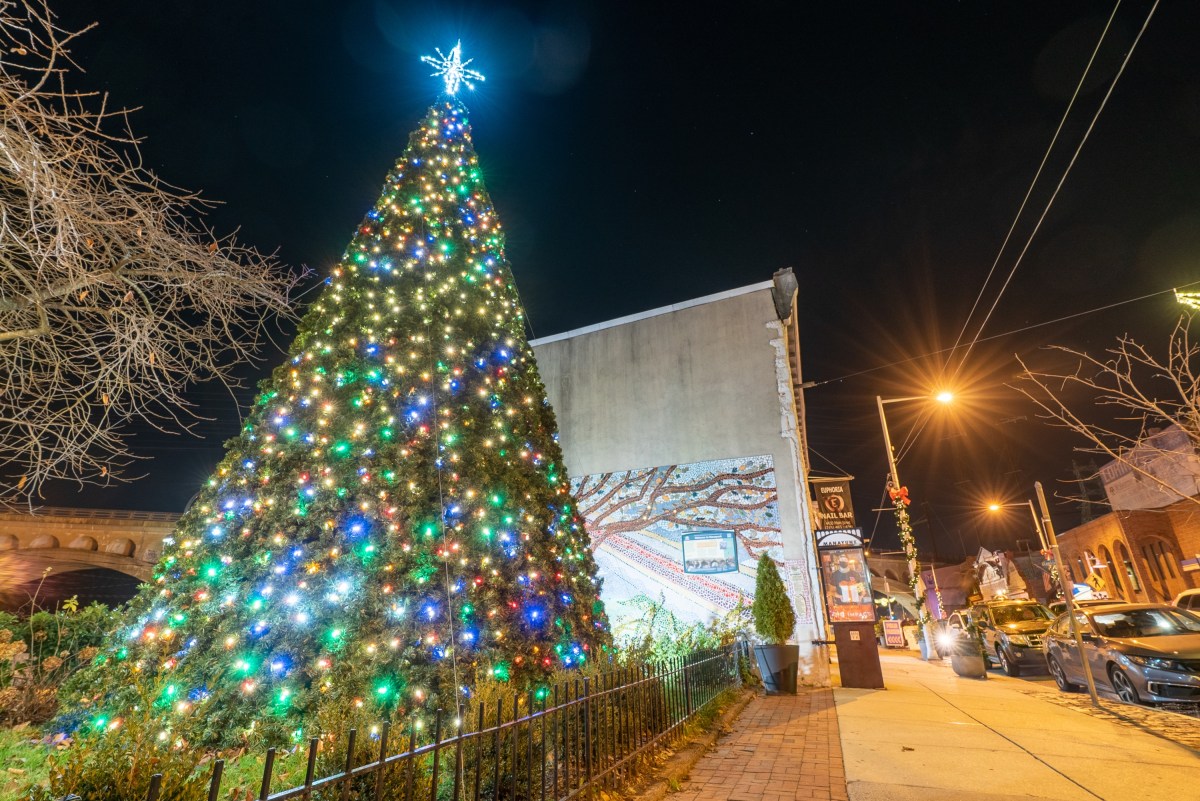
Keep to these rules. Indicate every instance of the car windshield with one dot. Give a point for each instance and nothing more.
(1019, 614)
(1145, 623)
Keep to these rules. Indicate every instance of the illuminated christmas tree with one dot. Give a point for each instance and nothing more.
(394, 520)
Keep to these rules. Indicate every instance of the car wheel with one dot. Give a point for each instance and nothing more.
(1122, 686)
(1060, 676)
(1010, 665)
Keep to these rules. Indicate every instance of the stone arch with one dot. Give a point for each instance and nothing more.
(83, 543)
(9, 542)
(44, 541)
(891, 575)
(121, 546)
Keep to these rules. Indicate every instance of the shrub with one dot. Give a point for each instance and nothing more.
(41, 653)
(116, 764)
(774, 618)
(658, 635)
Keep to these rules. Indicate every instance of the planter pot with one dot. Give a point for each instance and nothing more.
(777, 666)
(970, 666)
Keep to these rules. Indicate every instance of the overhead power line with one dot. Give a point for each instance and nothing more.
(1036, 176)
(1091, 126)
(1105, 307)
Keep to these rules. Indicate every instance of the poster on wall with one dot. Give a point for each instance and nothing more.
(847, 585)
(709, 552)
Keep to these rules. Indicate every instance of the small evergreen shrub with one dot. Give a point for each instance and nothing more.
(774, 618)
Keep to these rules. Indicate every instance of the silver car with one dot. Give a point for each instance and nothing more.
(1144, 653)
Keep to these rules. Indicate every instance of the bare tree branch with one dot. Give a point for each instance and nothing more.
(113, 299)
(1139, 393)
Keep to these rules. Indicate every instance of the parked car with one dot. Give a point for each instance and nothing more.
(1188, 600)
(1059, 607)
(1012, 633)
(1144, 653)
(945, 633)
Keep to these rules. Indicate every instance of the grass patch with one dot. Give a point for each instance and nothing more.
(24, 760)
(25, 763)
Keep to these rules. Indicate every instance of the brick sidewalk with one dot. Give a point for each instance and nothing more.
(781, 748)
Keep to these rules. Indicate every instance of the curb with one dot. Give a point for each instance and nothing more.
(681, 763)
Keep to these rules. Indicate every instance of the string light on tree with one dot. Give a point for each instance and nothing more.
(394, 518)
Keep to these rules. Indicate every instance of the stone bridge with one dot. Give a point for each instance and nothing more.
(96, 554)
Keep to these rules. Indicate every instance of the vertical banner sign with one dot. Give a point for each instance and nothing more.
(835, 510)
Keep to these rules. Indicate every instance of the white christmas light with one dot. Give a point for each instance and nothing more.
(452, 69)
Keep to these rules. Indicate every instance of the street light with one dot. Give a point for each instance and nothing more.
(907, 538)
(1037, 526)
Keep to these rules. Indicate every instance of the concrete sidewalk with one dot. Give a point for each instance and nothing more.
(934, 734)
(780, 748)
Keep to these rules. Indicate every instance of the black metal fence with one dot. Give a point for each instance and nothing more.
(552, 745)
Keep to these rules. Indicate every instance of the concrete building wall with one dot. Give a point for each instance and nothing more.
(703, 381)
(685, 386)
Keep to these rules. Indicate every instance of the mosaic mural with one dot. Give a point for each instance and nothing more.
(637, 519)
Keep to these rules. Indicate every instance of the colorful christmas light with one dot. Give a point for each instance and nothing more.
(394, 517)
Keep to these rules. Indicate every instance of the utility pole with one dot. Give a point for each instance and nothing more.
(1049, 529)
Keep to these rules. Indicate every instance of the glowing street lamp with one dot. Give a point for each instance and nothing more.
(1037, 526)
(899, 496)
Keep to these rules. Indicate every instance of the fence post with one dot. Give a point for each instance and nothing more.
(478, 751)
(345, 794)
(687, 687)
(308, 773)
(437, 752)
(155, 786)
(383, 749)
(458, 755)
(587, 730)
(268, 769)
(214, 784)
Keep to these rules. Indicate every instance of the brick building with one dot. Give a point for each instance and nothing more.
(1148, 548)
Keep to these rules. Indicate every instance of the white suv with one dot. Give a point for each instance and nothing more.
(1189, 600)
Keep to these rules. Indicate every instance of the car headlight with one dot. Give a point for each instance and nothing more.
(1156, 662)
(945, 639)
(1018, 639)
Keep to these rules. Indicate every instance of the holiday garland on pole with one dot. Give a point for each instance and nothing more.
(908, 542)
(394, 520)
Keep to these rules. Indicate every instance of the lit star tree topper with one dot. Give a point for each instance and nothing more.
(452, 69)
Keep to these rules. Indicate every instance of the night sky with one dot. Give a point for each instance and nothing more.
(640, 157)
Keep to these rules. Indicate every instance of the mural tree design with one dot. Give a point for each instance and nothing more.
(636, 520)
(618, 503)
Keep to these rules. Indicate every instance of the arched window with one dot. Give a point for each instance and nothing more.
(1126, 564)
(1111, 574)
